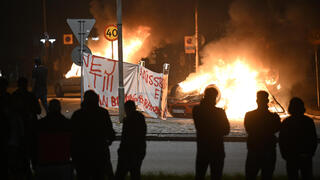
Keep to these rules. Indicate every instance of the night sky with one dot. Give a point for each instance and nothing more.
(277, 31)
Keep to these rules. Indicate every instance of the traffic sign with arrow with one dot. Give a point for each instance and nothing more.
(81, 28)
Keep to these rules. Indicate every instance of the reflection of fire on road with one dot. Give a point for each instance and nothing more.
(237, 82)
(132, 48)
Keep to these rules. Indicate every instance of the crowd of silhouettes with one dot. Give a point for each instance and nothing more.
(53, 147)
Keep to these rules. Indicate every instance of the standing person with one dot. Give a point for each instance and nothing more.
(25, 108)
(5, 128)
(298, 141)
(39, 82)
(52, 145)
(261, 126)
(91, 135)
(211, 124)
(132, 148)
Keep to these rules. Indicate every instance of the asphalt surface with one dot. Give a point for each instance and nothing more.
(179, 158)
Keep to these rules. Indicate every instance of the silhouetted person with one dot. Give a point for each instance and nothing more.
(261, 126)
(5, 128)
(92, 134)
(39, 82)
(52, 145)
(132, 148)
(298, 141)
(25, 108)
(211, 124)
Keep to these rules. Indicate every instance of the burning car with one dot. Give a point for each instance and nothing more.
(70, 83)
(181, 106)
(67, 85)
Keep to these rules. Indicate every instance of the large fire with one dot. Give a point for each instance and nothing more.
(237, 82)
(132, 43)
(75, 71)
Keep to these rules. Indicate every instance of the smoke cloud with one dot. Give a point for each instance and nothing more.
(166, 20)
(269, 34)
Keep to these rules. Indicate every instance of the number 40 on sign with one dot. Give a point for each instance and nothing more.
(111, 32)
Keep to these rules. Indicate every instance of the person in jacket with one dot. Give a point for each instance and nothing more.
(298, 141)
(52, 145)
(91, 135)
(5, 127)
(24, 111)
(39, 82)
(132, 148)
(261, 126)
(211, 125)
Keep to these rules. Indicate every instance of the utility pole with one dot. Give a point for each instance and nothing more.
(197, 35)
(120, 58)
(46, 35)
(317, 73)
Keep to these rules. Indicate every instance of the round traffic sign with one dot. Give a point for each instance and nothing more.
(75, 54)
(111, 32)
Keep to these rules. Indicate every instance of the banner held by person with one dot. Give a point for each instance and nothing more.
(141, 85)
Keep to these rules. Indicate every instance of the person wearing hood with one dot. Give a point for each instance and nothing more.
(211, 125)
(298, 141)
(91, 135)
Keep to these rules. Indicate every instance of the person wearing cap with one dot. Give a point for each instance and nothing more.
(39, 82)
(298, 141)
(261, 126)
(211, 125)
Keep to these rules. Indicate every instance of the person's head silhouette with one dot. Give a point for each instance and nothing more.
(210, 95)
(90, 99)
(54, 106)
(37, 61)
(262, 99)
(296, 106)
(22, 83)
(129, 107)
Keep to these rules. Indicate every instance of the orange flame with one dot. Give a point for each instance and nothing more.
(237, 82)
(132, 44)
(75, 71)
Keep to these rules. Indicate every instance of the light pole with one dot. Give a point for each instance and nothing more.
(120, 57)
(45, 32)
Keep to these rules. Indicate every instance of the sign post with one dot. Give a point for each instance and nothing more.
(81, 29)
(120, 55)
(111, 34)
(314, 38)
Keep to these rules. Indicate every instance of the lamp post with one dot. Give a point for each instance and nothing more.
(120, 58)
(45, 32)
(197, 35)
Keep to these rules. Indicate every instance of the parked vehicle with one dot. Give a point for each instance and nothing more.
(67, 85)
(182, 108)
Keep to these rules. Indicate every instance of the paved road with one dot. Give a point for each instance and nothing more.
(179, 157)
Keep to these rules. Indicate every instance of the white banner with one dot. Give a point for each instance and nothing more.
(141, 85)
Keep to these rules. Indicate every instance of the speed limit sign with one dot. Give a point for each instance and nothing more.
(111, 32)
